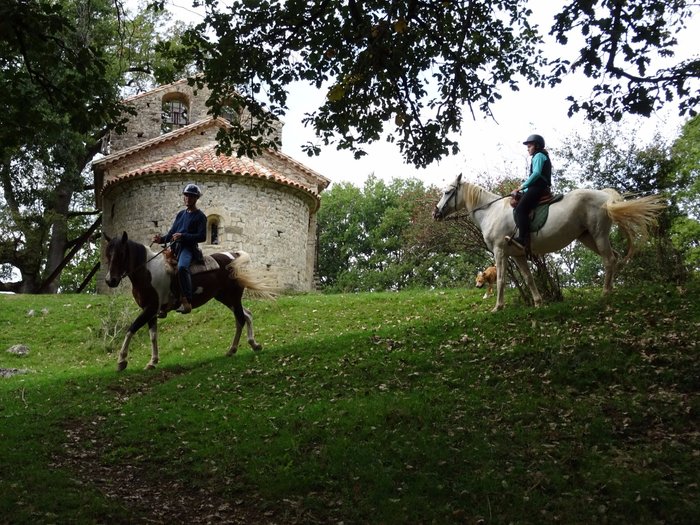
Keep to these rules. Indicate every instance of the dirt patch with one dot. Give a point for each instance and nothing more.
(151, 500)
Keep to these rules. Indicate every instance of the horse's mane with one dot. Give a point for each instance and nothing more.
(473, 195)
(140, 251)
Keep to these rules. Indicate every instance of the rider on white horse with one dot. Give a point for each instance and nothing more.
(533, 189)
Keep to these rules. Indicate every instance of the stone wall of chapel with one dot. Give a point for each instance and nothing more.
(272, 223)
(146, 124)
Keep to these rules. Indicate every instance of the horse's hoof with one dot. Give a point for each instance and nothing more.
(121, 365)
(255, 346)
(231, 352)
(150, 366)
(496, 308)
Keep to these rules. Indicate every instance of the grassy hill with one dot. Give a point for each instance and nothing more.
(411, 407)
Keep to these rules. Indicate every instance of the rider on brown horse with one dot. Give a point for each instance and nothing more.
(189, 228)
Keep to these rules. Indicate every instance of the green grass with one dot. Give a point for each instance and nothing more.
(411, 407)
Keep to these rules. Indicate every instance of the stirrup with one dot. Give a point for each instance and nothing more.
(513, 241)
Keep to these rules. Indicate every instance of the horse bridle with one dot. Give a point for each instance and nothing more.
(472, 212)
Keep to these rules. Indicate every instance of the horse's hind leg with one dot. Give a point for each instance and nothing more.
(236, 338)
(521, 261)
(251, 333)
(602, 247)
(248, 322)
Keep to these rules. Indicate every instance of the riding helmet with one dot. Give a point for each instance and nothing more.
(192, 189)
(537, 140)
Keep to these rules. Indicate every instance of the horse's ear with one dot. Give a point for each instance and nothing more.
(459, 178)
(125, 237)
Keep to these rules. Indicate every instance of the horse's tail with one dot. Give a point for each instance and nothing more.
(255, 285)
(634, 216)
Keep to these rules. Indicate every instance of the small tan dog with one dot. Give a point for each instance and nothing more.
(488, 277)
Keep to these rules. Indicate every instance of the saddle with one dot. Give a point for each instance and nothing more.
(203, 263)
(538, 216)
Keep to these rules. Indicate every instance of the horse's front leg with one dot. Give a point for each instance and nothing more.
(521, 261)
(145, 316)
(153, 333)
(124, 352)
(500, 280)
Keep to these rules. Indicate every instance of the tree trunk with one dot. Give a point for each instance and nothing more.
(59, 234)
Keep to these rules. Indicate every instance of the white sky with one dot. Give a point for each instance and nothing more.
(486, 147)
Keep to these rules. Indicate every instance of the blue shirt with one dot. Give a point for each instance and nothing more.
(192, 226)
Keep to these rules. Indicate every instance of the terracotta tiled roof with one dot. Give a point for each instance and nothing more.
(324, 181)
(204, 160)
(193, 128)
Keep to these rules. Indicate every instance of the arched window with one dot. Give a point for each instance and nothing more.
(175, 112)
(213, 231)
(229, 114)
(229, 111)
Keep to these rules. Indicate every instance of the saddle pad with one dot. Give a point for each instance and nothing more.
(538, 216)
(209, 264)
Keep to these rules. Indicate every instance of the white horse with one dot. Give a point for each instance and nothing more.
(583, 215)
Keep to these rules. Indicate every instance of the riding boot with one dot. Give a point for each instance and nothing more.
(522, 222)
(185, 306)
(186, 288)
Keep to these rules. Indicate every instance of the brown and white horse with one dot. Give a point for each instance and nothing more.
(583, 215)
(150, 278)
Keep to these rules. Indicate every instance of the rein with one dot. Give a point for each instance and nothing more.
(143, 264)
(488, 204)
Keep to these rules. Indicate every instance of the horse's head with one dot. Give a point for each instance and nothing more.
(480, 281)
(117, 254)
(448, 201)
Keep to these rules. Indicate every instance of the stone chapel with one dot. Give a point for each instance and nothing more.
(265, 206)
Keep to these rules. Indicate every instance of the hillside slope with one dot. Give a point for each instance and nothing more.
(417, 407)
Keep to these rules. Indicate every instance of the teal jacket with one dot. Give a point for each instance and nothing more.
(540, 167)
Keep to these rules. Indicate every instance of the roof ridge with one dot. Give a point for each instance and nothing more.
(201, 160)
(154, 90)
(112, 157)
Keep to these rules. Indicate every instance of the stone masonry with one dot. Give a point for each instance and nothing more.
(265, 206)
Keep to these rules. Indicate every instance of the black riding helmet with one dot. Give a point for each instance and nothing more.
(537, 140)
(192, 189)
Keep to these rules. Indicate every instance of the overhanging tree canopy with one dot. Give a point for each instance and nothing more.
(409, 69)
